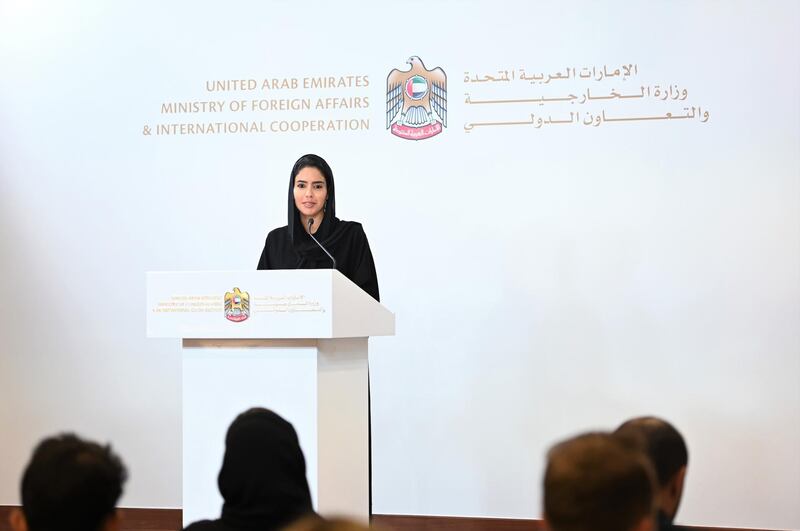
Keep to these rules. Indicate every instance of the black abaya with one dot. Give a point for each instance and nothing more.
(290, 246)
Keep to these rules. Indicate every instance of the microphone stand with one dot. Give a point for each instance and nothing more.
(310, 223)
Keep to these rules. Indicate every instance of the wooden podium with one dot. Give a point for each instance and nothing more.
(293, 341)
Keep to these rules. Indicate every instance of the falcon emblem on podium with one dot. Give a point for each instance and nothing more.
(416, 101)
(237, 305)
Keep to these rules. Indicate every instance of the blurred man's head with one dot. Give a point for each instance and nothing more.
(666, 448)
(598, 482)
(70, 485)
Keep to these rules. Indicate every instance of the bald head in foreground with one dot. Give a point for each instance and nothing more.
(665, 447)
(598, 482)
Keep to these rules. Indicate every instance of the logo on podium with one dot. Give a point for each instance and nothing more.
(416, 101)
(237, 305)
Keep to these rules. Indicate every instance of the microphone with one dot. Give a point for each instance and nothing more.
(310, 223)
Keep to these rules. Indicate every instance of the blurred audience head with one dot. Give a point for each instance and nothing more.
(70, 485)
(263, 475)
(665, 447)
(598, 482)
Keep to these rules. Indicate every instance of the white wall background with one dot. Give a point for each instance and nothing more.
(545, 281)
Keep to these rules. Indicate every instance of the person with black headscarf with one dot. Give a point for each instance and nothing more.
(312, 208)
(263, 477)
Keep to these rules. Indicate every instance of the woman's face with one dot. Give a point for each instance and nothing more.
(310, 191)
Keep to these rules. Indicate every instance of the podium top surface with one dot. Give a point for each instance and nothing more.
(277, 304)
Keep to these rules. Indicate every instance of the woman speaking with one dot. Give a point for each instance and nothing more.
(312, 211)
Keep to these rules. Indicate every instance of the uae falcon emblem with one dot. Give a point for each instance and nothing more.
(416, 101)
(237, 305)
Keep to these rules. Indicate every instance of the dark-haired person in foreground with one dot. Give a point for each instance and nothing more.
(70, 485)
(667, 450)
(263, 476)
(597, 482)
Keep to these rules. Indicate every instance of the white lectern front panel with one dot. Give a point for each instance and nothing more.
(220, 383)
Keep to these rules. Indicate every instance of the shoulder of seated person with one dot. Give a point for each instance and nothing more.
(203, 525)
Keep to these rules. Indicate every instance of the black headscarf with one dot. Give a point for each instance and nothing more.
(300, 238)
(331, 230)
(263, 475)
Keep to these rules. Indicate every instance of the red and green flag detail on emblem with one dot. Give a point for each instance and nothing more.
(416, 87)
